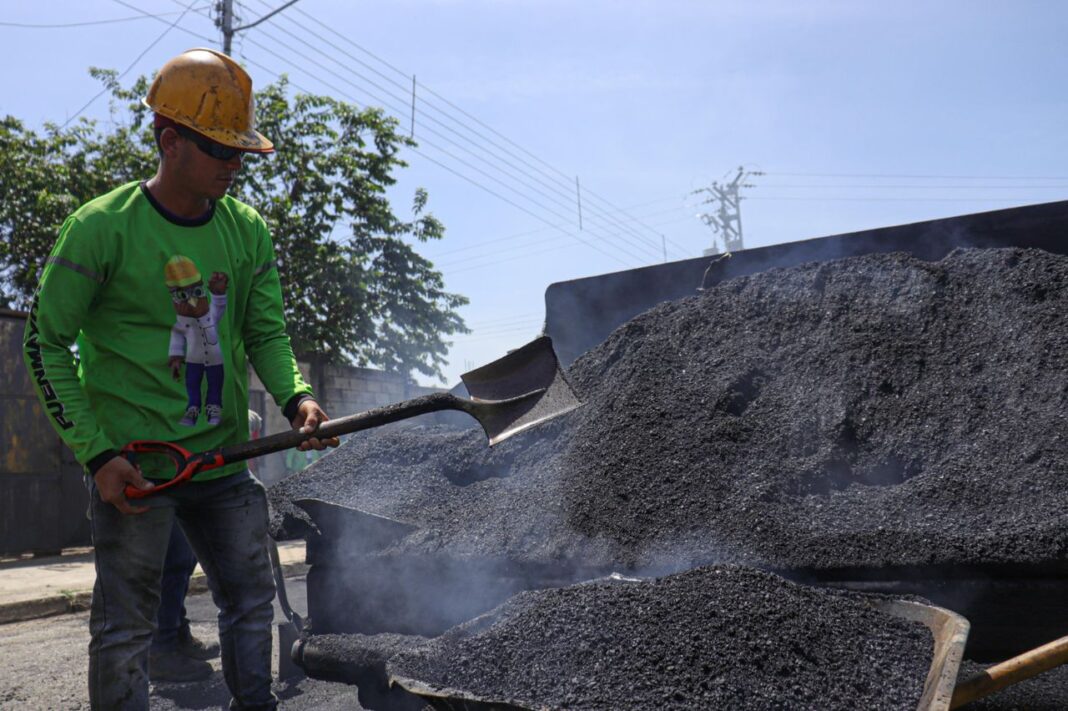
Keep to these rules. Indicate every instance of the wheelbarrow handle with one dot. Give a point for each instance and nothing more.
(1011, 671)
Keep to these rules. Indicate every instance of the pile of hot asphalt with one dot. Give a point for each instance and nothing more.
(871, 411)
(716, 637)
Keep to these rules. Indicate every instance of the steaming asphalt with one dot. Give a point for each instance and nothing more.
(718, 637)
(875, 412)
(867, 412)
(45, 664)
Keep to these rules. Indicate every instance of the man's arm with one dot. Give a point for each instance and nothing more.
(270, 351)
(73, 275)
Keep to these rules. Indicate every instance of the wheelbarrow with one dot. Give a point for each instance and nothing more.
(941, 691)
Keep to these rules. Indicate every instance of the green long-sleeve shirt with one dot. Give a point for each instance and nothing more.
(146, 295)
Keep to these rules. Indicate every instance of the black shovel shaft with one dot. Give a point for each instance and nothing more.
(368, 419)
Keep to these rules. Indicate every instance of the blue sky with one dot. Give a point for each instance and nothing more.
(861, 114)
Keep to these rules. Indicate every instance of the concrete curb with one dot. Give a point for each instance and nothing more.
(49, 606)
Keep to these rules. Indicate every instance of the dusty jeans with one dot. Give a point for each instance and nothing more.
(225, 521)
(178, 566)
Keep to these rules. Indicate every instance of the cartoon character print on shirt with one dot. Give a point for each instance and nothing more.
(195, 336)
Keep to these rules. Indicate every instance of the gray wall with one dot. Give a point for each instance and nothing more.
(42, 494)
(341, 390)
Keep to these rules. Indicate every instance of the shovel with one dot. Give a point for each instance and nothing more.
(942, 691)
(509, 395)
(1011, 671)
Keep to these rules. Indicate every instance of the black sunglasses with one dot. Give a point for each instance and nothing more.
(216, 150)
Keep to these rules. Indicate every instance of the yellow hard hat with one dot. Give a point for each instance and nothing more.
(210, 93)
(181, 271)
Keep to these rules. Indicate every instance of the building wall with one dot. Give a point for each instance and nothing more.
(43, 498)
(341, 390)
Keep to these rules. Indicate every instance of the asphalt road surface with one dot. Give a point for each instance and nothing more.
(44, 663)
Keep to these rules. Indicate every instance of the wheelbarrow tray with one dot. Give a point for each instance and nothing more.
(948, 629)
(950, 632)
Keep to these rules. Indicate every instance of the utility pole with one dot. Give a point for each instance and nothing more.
(225, 21)
(726, 217)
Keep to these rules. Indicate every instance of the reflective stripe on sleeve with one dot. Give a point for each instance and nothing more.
(99, 279)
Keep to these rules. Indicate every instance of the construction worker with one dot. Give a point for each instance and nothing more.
(120, 270)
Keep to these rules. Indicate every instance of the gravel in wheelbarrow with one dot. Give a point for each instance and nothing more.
(716, 637)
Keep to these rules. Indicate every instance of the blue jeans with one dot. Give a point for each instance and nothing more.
(225, 521)
(178, 567)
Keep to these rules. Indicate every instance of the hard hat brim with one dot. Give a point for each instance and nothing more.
(249, 141)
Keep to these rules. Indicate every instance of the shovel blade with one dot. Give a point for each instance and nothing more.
(520, 390)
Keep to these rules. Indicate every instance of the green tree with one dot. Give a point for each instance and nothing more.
(356, 290)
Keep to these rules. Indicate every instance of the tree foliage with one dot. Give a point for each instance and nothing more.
(356, 290)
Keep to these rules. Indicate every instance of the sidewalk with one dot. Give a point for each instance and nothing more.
(40, 587)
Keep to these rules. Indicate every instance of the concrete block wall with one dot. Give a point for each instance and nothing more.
(341, 390)
(43, 498)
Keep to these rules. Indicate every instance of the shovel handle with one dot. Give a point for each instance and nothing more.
(342, 426)
(1011, 671)
(188, 464)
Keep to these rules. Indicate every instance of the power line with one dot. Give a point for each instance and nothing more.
(86, 23)
(913, 186)
(921, 177)
(461, 175)
(454, 157)
(496, 260)
(446, 152)
(511, 325)
(225, 21)
(484, 243)
(815, 198)
(641, 243)
(447, 263)
(496, 240)
(197, 11)
(634, 219)
(510, 332)
(134, 62)
(522, 179)
(559, 189)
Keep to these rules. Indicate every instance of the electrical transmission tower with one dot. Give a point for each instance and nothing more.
(725, 219)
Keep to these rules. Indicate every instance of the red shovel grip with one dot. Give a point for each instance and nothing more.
(186, 464)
